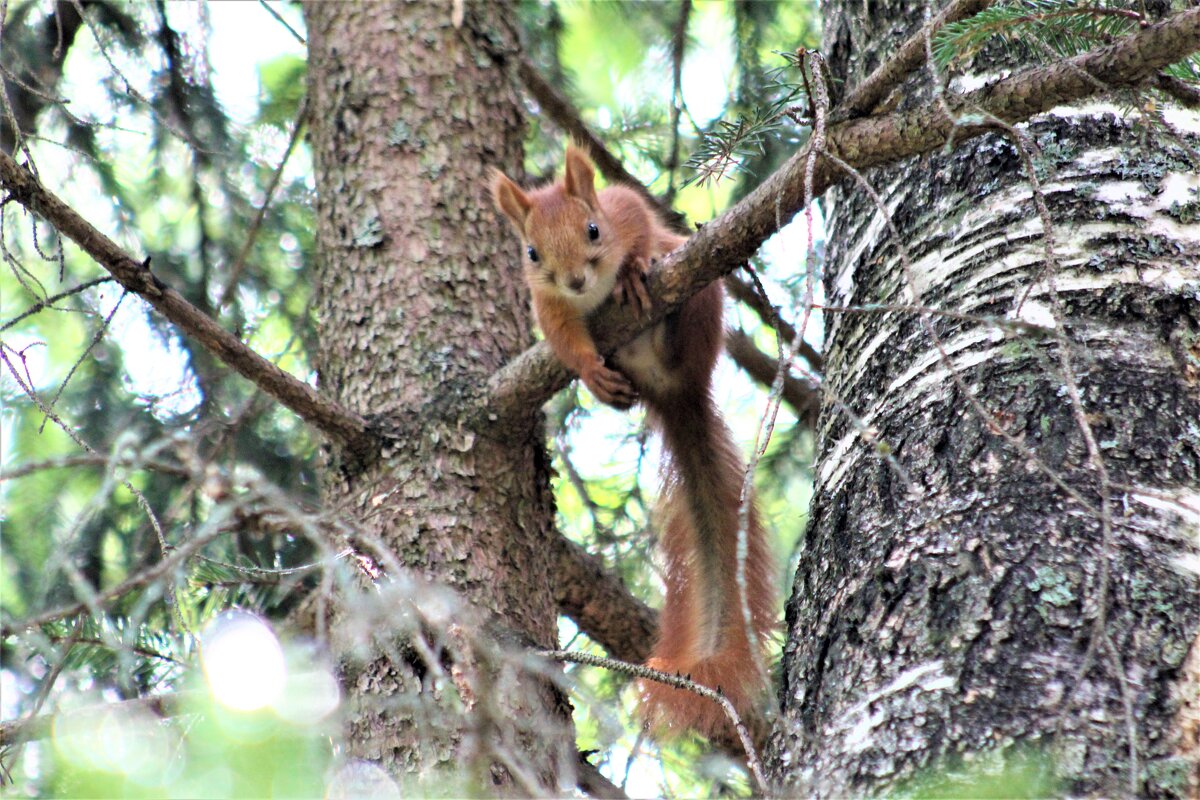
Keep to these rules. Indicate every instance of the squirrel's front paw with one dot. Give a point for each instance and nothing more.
(631, 286)
(609, 386)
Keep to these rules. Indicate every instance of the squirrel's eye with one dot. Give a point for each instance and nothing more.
(533, 256)
(593, 231)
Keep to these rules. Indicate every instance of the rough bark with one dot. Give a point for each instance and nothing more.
(415, 310)
(974, 580)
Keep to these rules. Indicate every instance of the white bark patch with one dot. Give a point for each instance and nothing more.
(1177, 188)
(1124, 195)
(834, 468)
(1184, 120)
(1035, 313)
(1187, 563)
(1170, 276)
(859, 720)
(984, 263)
(1096, 109)
(844, 285)
(1184, 504)
(971, 82)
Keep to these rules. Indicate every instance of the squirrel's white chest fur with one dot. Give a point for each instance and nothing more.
(643, 362)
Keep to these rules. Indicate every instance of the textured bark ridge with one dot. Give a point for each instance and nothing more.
(418, 302)
(956, 596)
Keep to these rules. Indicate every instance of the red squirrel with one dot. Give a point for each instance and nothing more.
(579, 247)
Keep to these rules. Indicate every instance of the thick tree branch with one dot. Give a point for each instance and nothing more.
(600, 605)
(327, 416)
(592, 783)
(1183, 93)
(728, 241)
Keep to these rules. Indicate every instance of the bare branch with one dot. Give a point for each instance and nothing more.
(589, 593)
(282, 21)
(325, 415)
(594, 784)
(745, 294)
(1183, 93)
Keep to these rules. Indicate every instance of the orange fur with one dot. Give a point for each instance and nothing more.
(712, 627)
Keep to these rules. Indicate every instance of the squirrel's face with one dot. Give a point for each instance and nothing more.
(570, 246)
(569, 249)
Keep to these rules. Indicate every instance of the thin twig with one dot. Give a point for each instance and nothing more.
(50, 301)
(100, 331)
(282, 21)
(678, 42)
(679, 682)
(27, 387)
(802, 396)
(129, 87)
(239, 264)
(761, 305)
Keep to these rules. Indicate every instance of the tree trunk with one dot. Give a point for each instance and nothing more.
(418, 302)
(1020, 575)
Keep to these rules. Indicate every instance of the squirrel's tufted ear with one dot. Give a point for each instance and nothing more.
(580, 180)
(509, 199)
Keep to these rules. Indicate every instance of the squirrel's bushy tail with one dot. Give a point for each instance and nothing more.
(713, 624)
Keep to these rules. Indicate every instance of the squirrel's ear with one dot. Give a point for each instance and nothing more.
(580, 180)
(509, 198)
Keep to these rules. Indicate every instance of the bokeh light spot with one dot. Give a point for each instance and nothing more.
(243, 662)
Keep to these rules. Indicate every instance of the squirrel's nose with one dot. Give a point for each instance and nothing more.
(576, 282)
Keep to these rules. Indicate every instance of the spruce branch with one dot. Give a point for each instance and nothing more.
(1058, 28)
(731, 143)
(41, 726)
(1066, 28)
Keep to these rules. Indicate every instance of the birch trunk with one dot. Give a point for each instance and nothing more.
(1002, 554)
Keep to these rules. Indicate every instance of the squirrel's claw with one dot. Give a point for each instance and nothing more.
(631, 287)
(610, 386)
